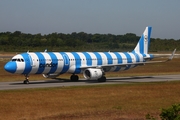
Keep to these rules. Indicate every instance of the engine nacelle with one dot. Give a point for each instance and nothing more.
(50, 75)
(92, 73)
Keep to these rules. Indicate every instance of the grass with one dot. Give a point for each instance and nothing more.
(131, 101)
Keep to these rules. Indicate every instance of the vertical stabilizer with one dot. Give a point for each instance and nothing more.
(143, 44)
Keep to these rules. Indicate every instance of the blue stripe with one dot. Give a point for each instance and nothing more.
(99, 58)
(141, 44)
(149, 35)
(65, 67)
(144, 55)
(117, 68)
(88, 59)
(119, 58)
(129, 60)
(27, 61)
(109, 58)
(41, 61)
(151, 56)
(77, 63)
(137, 56)
(54, 62)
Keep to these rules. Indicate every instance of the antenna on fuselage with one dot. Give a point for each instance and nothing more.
(45, 50)
(28, 51)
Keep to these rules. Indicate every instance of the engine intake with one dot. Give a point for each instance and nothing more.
(92, 74)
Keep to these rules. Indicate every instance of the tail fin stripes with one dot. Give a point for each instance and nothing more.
(144, 41)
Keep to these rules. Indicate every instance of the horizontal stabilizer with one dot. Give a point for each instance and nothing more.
(172, 55)
(169, 59)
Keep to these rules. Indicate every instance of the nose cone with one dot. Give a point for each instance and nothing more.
(10, 67)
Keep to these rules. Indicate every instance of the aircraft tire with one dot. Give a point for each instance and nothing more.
(74, 78)
(102, 79)
(26, 81)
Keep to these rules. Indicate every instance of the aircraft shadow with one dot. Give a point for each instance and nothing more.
(130, 78)
(43, 81)
(59, 80)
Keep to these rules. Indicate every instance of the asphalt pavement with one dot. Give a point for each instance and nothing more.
(83, 82)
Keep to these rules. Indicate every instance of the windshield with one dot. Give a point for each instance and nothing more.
(18, 59)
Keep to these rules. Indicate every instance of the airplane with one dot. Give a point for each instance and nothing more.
(93, 65)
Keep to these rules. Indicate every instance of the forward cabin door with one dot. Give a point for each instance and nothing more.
(66, 60)
(33, 59)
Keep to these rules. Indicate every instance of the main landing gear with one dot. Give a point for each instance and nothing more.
(102, 79)
(74, 77)
(26, 81)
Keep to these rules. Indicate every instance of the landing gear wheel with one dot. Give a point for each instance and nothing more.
(26, 82)
(74, 78)
(102, 79)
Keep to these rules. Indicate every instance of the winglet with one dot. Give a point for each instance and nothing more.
(172, 55)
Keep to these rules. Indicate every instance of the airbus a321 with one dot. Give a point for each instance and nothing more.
(93, 65)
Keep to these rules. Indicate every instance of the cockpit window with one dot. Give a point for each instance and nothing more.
(18, 59)
(13, 59)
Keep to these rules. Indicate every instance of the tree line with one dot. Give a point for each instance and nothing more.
(21, 42)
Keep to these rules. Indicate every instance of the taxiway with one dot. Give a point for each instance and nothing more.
(81, 82)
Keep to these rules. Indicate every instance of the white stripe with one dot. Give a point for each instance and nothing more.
(47, 60)
(115, 61)
(124, 60)
(145, 40)
(60, 62)
(35, 63)
(133, 58)
(72, 62)
(141, 58)
(114, 57)
(20, 65)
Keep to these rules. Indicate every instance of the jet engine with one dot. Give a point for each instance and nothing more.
(92, 74)
(50, 75)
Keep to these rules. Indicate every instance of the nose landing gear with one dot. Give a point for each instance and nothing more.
(26, 81)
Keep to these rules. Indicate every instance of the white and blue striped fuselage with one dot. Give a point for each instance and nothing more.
(72, 62)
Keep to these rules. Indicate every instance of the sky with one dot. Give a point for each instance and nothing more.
(92, 16)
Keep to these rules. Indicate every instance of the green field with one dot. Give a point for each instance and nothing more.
(101, 102)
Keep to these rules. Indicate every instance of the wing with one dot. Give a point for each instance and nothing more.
(136, 63)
